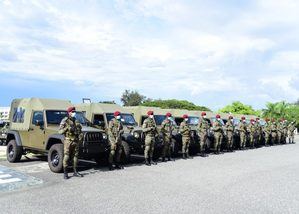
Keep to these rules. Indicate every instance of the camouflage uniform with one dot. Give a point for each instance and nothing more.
(218, 135)
(267, 131)
(203, 128)
(291, 130)
(242, 129)
(252, 133)
(229, 126)
(259, 132)
(285, 132)
(150, 129)
(185, 131)
(273, 133)
(72, 130)
(279, 132)
(115, 130)
(166, 129)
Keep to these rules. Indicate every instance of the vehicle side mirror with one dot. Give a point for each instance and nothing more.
(39, 123)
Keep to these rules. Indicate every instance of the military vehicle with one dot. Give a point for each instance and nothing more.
(4, 126)
(99, 114)
(34, 125)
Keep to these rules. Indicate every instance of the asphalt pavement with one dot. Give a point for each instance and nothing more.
(263, 180)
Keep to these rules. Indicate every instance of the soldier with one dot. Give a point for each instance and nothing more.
(166, 130)
(150, 129)
(291, 130)
(242, 130)
(285, 131)
(203, 128)
(72, 130)
(218, 134)
(273, 132)
(252, 132)
(267, 131)
(259, 132)
(230, 128)
(115, 131)
(280, 131)
(185, 132)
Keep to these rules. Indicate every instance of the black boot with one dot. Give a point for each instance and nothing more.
(119, 166)
(111, 167)
(153, 162)
(147, 162)
(170, 159)
(77, 174)
(184, 156)
(163, 159)
(65, 175)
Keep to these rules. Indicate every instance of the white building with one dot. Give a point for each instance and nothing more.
(4, 113)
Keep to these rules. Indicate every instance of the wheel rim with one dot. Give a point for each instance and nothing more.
(55, 159)
(11, 152)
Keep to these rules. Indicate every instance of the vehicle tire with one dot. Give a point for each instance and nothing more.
(126, 152)
(55, 158)
(13, 152)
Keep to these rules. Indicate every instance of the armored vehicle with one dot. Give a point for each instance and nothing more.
(34, 125)
(99, 114)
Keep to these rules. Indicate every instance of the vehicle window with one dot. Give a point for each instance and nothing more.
(37, 117)
(159, 119)
(99, 119)
(178, 120)
(81, 118)
(224, 121)
(236, 122)
(127, 119)
(55, 117)
(193, 120)
(18, 115)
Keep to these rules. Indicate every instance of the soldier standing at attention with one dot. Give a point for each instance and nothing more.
(259, 131)
(150, 129)
(115, 131)
(291, 130)
(285, 131)
(242, 130)
(252, 132)
(273, 132)
(203, 128)
(72, 130)
(166, 129)
(267, 131)
(185, 132)
(280, 131)
(218, 134)
(229, 126)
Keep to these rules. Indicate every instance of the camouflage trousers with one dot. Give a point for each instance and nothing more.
(115, 152)
(242, 139)
(258, 139)
(267, 138)
(274, 138)
(203, 140)
(291, 136)
(149, 147)
(166, 147)
(230, 138)
(252, 139)
(218, 139)
(279, 137)
(185, 145)
(71, 152)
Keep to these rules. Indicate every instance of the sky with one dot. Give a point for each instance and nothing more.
(208, 52)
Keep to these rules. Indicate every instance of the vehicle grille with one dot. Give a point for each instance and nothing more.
(93, 137)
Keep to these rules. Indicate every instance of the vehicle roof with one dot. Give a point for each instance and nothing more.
(144, 109)
(101, 108)
(41, 103)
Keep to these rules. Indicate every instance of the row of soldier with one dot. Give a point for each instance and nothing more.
(274, 134)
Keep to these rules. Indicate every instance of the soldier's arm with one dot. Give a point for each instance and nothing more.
(110, 132)
(63, 127)
(145, 128)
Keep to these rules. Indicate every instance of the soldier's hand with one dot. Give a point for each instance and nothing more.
(72, 129)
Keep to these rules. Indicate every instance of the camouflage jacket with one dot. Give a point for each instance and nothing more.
(280, 127)
(251, 128)
(217, 127)
(229, 126)
(258, 128)
(203, 126)
(242, 127)
(71, 129)
(185, 129)
(115, 130)
(149, 127)
(267, 128)
(291, 128)
(273, 127)
(167, 128)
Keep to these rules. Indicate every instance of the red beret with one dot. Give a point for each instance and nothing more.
(230, 117)
(203, 113)
(243, 118)
(267, 119)
(168, 114)
(185, 116)
(70, 109)
(251, 120)
(217, 116)
(257, 118)
(150, 113)
(117, 113)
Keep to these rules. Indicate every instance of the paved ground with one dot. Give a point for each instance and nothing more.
(264, 180)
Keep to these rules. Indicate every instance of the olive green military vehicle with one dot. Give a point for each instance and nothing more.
(140, 114)
(99, 114)
(34, 125)
(4, 126)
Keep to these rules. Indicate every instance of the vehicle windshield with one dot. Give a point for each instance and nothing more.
(127, 119)
(54, 117)
(236, 122)
(193, 120)
(159, 119)
(221, 121)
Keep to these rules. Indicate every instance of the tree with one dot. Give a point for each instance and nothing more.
(239, 108)
(132, 98)
(174, 104)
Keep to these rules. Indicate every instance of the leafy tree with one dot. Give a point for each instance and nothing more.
(132, 98)
(239, 108)
(174, 104)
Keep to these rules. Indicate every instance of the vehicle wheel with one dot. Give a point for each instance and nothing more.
(126, 153)
(13, 152)
(55, 158)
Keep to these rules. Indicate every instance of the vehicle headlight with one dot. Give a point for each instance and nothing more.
(136, 135)
(105, 136)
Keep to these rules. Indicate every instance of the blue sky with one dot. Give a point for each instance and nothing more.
(208, 52)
